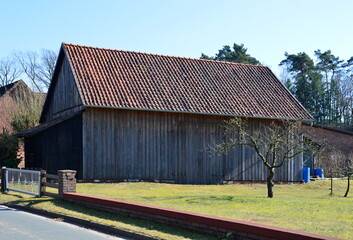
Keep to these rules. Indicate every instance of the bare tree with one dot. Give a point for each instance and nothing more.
(274, 143)
(9, 71)
(337, 164)
(47, 66)
(38, 68)
(348, 172)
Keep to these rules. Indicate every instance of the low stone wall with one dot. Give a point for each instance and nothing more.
(198, 222)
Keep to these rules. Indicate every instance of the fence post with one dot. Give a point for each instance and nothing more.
(43, 180)
(67, 181)
(3, 180)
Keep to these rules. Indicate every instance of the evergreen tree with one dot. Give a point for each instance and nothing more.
(331, 68)
(238, 54)
(289, 85)
(307, 81)
(325, 89)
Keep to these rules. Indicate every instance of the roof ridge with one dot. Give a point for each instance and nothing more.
(163, 55)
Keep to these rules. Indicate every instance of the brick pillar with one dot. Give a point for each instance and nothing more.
(67, 181)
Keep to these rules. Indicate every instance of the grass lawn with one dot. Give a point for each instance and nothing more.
(306, 207)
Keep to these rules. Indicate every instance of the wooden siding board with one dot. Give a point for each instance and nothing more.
(152, 145)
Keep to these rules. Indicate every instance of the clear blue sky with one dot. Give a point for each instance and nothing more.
(181, 27)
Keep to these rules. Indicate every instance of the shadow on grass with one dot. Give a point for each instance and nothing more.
(134, 222)
(27, 202)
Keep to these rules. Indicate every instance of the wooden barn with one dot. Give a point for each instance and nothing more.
(114, 114)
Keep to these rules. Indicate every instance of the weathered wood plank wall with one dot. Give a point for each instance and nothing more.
(123, 144)
(65, 99)
(57, 148)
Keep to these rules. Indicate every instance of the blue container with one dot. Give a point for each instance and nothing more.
(306, 174)
(319, 172)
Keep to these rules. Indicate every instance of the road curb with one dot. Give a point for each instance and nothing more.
(84, 223)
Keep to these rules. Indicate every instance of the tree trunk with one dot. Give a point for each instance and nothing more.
(270, 183)
(331, 185)
(348, 185)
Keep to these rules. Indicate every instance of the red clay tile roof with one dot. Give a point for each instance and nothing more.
(133, 80)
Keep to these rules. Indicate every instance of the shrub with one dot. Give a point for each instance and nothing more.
(8, 150)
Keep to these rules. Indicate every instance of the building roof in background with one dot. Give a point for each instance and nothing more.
(8, 104)
(329, 128)
(7, 87)
(133, 80)
(334, 138)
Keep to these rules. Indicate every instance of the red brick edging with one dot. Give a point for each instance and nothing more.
(195, 221)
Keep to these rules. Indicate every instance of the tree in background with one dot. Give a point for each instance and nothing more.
(346, 88)
(337, 164)
(307, 86)
(9, 71)
(39, 68)
(324, 88)
(331, 68)
(348, 172)
(28, 112)
(238, 54)
(275, 143)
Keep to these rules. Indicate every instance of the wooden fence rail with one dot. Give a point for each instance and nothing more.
(49, 184)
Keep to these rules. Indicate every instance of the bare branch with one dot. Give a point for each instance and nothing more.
(9, 72)
(38, 68)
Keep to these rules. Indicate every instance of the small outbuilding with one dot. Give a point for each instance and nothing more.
(112, 114)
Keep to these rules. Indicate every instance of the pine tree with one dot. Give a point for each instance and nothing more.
(238, 54)
(307, 80)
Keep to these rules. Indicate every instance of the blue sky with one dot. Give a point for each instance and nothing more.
(182, 27)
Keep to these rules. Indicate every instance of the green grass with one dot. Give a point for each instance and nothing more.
(149, 228)
(304, 207)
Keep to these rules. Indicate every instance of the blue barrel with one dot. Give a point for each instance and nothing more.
(319, 172)
(306, 174)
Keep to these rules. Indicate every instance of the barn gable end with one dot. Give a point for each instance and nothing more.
(63, 96)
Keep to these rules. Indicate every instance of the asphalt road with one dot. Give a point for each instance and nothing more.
(19, 225)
